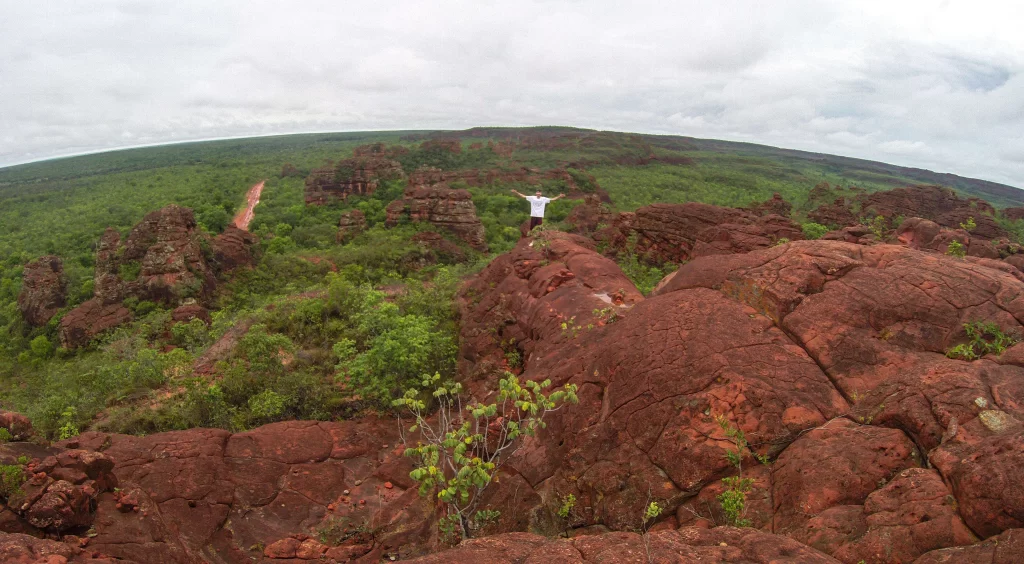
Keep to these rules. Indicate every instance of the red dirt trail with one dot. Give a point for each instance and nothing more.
(243, 217)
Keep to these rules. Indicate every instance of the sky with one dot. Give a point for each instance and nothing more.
(937, 84)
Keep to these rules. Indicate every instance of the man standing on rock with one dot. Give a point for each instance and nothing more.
(537, 204)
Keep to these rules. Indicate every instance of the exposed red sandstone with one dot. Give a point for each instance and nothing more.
(43, 290)
(357, 176)
(350, 224)
(166, 258)
(679, 232)
(441, 206)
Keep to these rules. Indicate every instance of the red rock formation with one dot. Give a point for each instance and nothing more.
(775, 205)
(441, 206)
(679, 232)
(166, 258)
(355, 176)
(43, 290)
(19, 426)
(350, 224)
(233, 248)
(203, 491)
(442, 248)
(590, 216)
(1002, 549)
(82, 324)
(165, 253)
(61, 486)
(934, 203)
(721, 545)
(1013, 213)
(837, 214)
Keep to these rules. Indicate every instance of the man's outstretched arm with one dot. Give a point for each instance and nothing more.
(557, 197)
(517, 193)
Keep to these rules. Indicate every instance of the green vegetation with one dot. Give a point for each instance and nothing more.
(12, 476)
(459, 453)
(333, 328)
(734, 498)
(956, 249)
(983, 338)
(813, 230)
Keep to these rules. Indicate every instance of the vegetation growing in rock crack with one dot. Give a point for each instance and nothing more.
(734, 498)
(984, 337)
(458, 454)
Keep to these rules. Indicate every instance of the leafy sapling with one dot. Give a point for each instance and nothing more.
(459, 452)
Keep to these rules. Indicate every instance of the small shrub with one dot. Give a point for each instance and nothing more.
(568, 502)
(68, 426)
(813, 230)
(5, 435)
(968, 225)
(879, 227)
(193, 335)
(956, 249)
(734, 498)
(12, 476)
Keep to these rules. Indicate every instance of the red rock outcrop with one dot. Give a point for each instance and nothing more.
(679, 232)
(683, 546)
(27, 549)
(441, 206)
(775, 205)
(91, 318)
(60, 488)
(166, 258)
(233, 248)
(43, 290)
(162, 260)
(19, 426)
(1005, 548)
(443, 249)
(934, 203)
(590, 216)
(189, 496)
(350, 224)
(358, 176)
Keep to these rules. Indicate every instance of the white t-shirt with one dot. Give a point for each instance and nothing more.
(537, 205)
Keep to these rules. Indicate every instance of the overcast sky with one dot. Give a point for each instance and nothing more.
(937, 84)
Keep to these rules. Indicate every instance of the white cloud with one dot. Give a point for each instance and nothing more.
(930, 83)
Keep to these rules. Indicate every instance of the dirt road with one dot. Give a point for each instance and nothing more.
(243, 217)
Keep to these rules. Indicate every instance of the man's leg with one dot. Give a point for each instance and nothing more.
(535, 221)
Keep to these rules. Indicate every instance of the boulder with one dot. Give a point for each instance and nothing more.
(61, 486)
(82, 324)
(441, 206)
(43, 290)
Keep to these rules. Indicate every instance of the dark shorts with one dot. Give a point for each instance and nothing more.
(535, 221)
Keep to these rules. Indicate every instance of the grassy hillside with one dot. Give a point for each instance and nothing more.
(356, 309)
